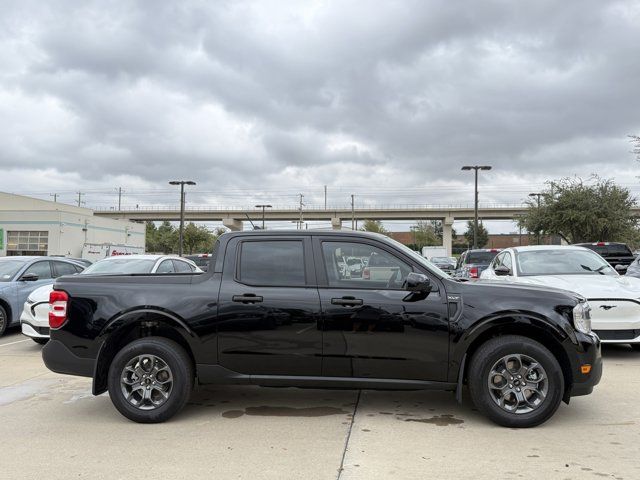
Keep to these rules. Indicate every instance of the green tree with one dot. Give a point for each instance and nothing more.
(582, 212)
(167, 238)
(483, 234)
(374, 226)
(197, 238)
(424, 234)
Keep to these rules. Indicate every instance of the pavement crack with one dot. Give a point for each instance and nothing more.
(346, 443)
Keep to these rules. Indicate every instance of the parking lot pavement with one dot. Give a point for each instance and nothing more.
(53, 428)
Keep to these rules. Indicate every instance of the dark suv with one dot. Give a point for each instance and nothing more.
(617, 254)
(473, 262)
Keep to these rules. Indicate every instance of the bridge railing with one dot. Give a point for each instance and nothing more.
(312, 208)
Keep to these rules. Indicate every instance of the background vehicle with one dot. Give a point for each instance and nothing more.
(428, 252)
(634, 269)
(19, 276)
(274, 310)
(473, 262)
(35, 314)
(82, 261)
(98, 251)
(448, 264)
(614, 299)
(201, 260)
(618, 255)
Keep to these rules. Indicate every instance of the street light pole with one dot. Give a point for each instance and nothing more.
(182, 183)
(475, 202)
(537, 195)
(263, 208)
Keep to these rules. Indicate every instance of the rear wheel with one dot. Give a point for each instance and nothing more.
(3, 320)
(516, 381)
(150, 379)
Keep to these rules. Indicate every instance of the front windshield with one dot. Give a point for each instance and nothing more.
(117, 266)
(562, 262)
(9, 268)
(418, 258)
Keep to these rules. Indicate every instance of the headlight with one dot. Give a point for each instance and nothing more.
(582, 317)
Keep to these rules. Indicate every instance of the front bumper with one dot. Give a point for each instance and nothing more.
(33, 331)
(58, 358)
(589, 353)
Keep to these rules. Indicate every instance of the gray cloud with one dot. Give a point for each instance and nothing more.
(284, 96)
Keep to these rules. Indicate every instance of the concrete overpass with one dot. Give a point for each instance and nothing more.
(234, 218)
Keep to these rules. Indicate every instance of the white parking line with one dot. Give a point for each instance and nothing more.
(13, 343)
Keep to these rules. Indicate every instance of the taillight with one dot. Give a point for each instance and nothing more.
(366, 274)
(473, 272)
(57, 308)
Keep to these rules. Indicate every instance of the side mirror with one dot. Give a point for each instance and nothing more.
(418, 282)
(29, 277)
(502, 271)
(621, 268)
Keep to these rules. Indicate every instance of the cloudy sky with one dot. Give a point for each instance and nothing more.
(260, 101)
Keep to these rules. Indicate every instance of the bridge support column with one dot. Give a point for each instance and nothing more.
(336, 224)
(232, 224)
(447, 234)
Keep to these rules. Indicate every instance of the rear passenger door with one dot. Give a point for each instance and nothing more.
(269, 308)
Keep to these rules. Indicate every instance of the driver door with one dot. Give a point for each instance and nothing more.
(372, 327)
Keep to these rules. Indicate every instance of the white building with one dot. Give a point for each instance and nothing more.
(29, 226)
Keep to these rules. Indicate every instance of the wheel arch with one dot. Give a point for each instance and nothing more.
(526, 324)
(7, 308)
(133, 325)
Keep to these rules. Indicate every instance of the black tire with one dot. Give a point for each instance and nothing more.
(636, 347)
(181, 368)
(493, 351)
(4, 321)
(41, 341)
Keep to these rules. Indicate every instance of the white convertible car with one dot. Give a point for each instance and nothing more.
(614, 299)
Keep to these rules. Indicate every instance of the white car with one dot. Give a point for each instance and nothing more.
(614, 299)
(35, 314)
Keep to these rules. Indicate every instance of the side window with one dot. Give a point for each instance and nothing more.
(181, 267)
(345, 266)
(166, 267)
(461, 261)
(274, 262)
(42, 269)
(507, 261)
(63, 268)
(498, 260)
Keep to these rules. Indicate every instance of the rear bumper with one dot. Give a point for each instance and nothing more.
(58, 358)
(589, 354)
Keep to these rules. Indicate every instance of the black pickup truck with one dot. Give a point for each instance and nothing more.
(277, 309)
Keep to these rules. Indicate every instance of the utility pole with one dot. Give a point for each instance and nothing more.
(301, 205)
(475, 202)
(537, 195)
(55, 196)
(182, 183)
(353, 212)
(325, 197)
(119, 198)
(80, 194)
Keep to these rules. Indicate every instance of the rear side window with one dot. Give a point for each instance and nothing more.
(182, 267)
(277, 263)
(166, 267)
(482, 258)
(63, 268)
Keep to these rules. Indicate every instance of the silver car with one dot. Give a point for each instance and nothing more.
(19, 276)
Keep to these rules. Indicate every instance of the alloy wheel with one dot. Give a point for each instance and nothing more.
(146, 382)
(518, 383)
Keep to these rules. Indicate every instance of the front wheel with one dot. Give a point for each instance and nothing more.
(516, 381)
(3, 320)
(150, 379)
